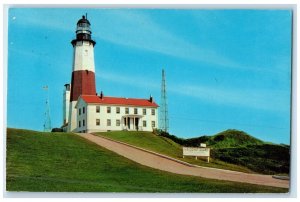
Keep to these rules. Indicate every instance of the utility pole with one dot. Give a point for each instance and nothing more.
(47, 119)
(164, 118)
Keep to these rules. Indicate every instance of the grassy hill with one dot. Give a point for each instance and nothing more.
(226, 139)
(65, 162)
(239, 148)
(232, 138)
(231, 149)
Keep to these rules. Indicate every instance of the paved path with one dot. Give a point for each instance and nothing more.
(161, 162)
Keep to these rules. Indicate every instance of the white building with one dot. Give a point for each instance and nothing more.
(84, 111)
(114, 114)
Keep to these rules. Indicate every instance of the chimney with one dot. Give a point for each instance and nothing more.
(101, 95)
(151, 98)
(67, 86)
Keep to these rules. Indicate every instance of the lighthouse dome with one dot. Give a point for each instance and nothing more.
(83, 20)
(83, 25)
(83, 31)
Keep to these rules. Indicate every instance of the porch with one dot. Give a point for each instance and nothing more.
(132, 123)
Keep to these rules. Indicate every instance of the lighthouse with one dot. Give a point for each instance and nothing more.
(84, 111)
(83, 72)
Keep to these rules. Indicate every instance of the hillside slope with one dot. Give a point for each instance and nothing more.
(164, 145)
(232, 138)
(265, 158)
(239, 148)
(64, 162)
(226, 139)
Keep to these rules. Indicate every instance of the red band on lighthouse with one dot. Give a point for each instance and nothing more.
(83, 83)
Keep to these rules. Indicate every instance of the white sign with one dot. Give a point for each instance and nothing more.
(196, 151)
(202, 145)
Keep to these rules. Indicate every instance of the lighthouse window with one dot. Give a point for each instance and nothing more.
(144, 112)
(135, 111)
(108, 110)
(144, 123)
(83, 110)
(118, 123)
(153, 111)
(97, 109)
(83, 122)
(108, 122)
(126, 110)
(118, 110)
(79, 111)
(79, 124)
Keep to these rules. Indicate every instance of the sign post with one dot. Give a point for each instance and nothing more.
(196, 151)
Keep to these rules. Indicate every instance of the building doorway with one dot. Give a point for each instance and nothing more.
(136, 122)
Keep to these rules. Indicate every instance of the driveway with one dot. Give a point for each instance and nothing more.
(169, 164)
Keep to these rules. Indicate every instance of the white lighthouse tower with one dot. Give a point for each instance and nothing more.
(83, 75)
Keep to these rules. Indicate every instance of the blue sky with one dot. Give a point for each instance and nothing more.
(225, 69)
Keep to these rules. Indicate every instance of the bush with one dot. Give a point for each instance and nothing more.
(57, 130)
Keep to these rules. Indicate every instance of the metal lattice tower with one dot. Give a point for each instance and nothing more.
(164, 118)
(47, 121)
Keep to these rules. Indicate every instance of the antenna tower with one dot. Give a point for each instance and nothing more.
(47, 122)
(164, 118)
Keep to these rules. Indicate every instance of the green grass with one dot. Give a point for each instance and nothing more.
(275, 158)
(65, 162)
(163, 145)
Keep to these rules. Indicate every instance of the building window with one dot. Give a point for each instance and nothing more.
(144, 112)
(97, 109)
(97, 122)
(153, 111)
(79, 111)
(118, 123)
(108, 110)
(108, 122)
(79, 124)
(83, 122)
(153, 124)
(126, 110)
(144, 123)
(135, 111)
(83, 110)
(118, 110)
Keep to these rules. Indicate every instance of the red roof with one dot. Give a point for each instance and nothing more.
(118, 101)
